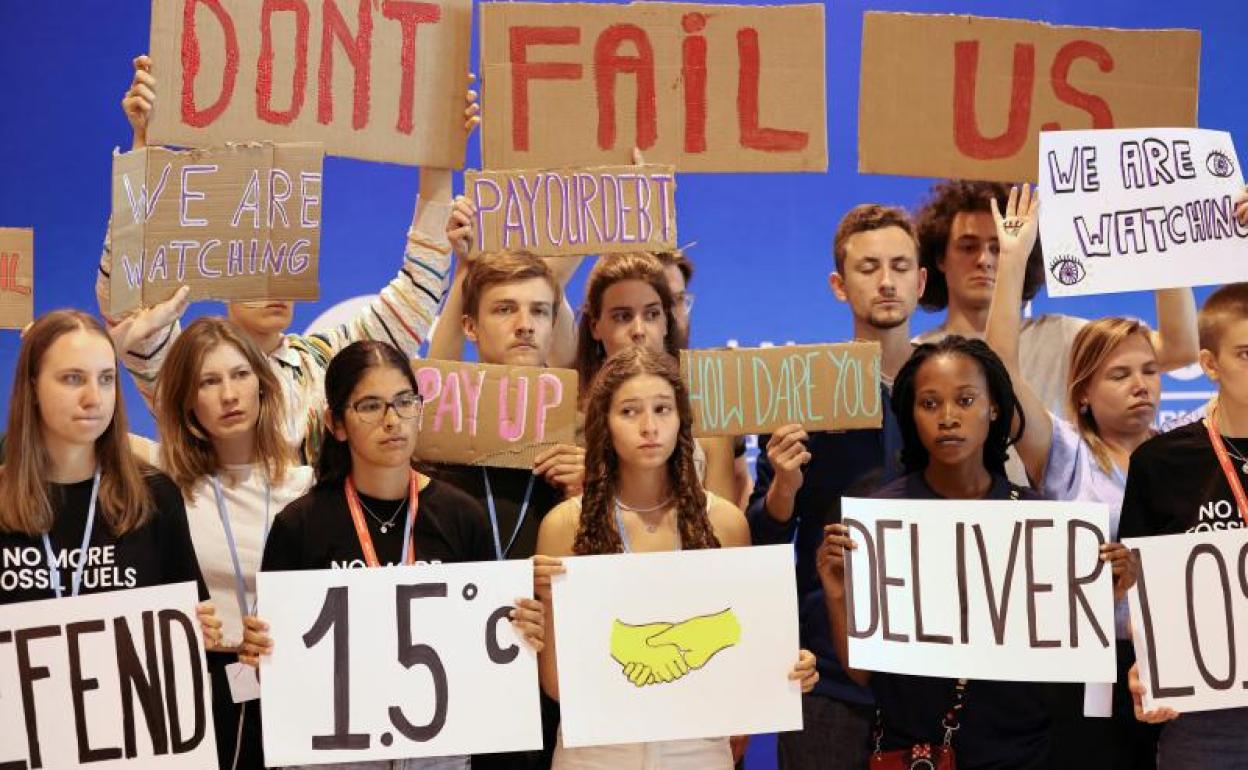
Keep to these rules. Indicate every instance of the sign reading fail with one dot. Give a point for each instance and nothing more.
(368, 79)
(966, 96)
(110, 680)
(985, 589)
(699, 86)
(1189, 616)
(493, 415)
(1139, 209)
(735, 391)
(238, 223)
(575, 211)
(17, 274)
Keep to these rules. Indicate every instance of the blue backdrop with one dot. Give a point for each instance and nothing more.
(763, 240)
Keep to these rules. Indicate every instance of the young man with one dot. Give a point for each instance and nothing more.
(801, 476)
(401, 315)
(959, 249)
(1177, 483)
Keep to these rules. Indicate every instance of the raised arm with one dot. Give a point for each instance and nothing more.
(563, 339)
(447, 342)
(1016, 231)
(1175, 340)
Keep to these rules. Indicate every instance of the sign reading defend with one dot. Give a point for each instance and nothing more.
(238, 223)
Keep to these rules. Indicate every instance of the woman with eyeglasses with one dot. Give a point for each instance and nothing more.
(365, 484)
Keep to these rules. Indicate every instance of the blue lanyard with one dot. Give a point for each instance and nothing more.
(55, 574)
(240, 585)
(499, 552)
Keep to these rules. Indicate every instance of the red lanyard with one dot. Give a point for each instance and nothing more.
(1228, 470)
(361, 526)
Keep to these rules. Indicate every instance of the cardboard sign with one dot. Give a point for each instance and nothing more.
(373, 80)
(965, 96)
(567, 212)
(17, 277)
(238, 223)
(381, 664)
(111, 680)
(1138, 209)
(625, 624)
(702, 87)
(735, 391)
(1189, 617)
(1003, 589)
(499, 416)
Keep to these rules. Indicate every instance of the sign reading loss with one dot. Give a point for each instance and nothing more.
(575, 211)
(17, 273)
(1137, 209)
(378, 80)
(380, 664)
(965, 96)
(1189, 617)
(243, 222)
(702, 87)
(108, 680)
(735, 391)
(997, 589)
(487, 414)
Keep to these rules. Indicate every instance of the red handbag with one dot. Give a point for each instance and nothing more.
(922, 756)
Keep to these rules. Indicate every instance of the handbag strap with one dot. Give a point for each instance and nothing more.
(951, 721)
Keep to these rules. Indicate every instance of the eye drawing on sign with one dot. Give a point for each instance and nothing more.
(1219, 164)
(660, 653)
(1068, 270)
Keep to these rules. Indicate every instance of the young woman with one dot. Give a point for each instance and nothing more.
(1112, 393)
(955, 403)
(365, 480)
(219, 413)
(641, 495)
(628, 303)
(72, 485)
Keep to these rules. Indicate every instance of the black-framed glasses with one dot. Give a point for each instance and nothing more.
(372, 409)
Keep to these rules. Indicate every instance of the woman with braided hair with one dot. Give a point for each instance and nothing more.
(641, 495)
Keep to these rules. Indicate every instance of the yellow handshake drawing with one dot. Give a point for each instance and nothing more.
(658, 653)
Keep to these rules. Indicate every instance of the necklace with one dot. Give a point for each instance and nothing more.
(1234, 452)
(384, 524)
(652, 528)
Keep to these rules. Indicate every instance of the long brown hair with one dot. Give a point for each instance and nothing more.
(186, 450)
(635, 266)
(1092, 346)
(125, 503)
(596, 532)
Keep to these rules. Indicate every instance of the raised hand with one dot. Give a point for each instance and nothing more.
(472, 112)
(459, 230)
(700, 638)
(1241, 206)
(139, 100)
(1018, 226)
(136, 328)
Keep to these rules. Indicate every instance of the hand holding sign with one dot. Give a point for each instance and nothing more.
(1138, 691)
(139, 100)
(209, 624)
(830, 559)
(1241, 207)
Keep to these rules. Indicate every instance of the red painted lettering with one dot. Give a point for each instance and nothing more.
(753, 136)
(693, 76)
(192, 115)
(966, 134)
(409, 15)
(608, 63)
(523, 71)
(359, 51)
(1095, 106)
(264, 68)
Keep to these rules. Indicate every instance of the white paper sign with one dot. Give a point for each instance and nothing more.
(111, 680)
(720, 624)
(1137, 209)
(1038, 602)
(1189, 617)
(396, 662)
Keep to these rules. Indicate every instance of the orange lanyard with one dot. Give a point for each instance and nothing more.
(1228, 470)
(361, 525)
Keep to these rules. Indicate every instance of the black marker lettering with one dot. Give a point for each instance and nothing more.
(1224, 580)
(918, 600)
(28, 675)
(881, 528)
(145, 682)
(420, 655)
(1075, 593)
(868, 544)
(498, 653)
(1146, 618)
(998, 611)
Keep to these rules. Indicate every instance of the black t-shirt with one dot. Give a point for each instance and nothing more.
(1175, 485)
(508, 485)
(1003, 724)
(316, 531)
(158, 553)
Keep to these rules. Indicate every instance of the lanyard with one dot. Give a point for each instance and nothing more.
(240, 585)
(1232, 476)
(55, 574)
(500, 553)
(361, 526)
